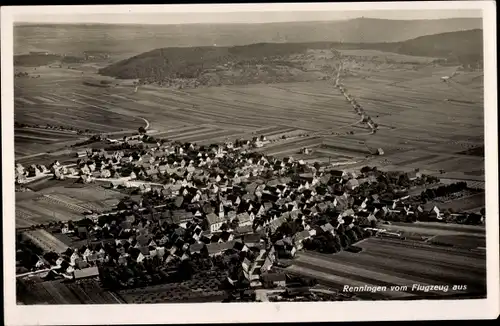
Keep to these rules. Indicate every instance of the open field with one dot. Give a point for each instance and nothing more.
(46, 241)
(49, 100)
(57, 203)
(472, 202)
(460, 241)
(417, 127)
(28, 141)
(386, 262)
(58, 292)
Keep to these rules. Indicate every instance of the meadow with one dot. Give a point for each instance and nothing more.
(87, 291)
(62, 203)
(385, 262)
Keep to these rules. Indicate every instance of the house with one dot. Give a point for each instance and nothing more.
(246, 266)
(285, 248)
(328, 228)
(44, 169)
(272, 280)
(85, 169)
(275, 224)
(215, 222)
(122, 259)
(240, 246)
(197, 248)
(134, 142)
(41, 263)
(215, 249)
(92, 258)
(244, 219)
(82, 232)
(414, 175)
(352, 184)
(240, 230)
(336, 174)
(300, 237)
(151, 172)
(147, 158)
(340, 202)
(34, 171)
(82, 153)
(252, 240)
(162, 169)
(65, 229)
(308, 177)
(105, 173)
(86, 273)
(81, 264)
(182, 217)
(126, 159)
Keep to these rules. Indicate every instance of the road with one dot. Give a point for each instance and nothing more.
(147, 123)
(38, 271)
(426, 229)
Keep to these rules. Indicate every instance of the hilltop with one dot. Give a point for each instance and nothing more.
(275, 62)
(135, 39)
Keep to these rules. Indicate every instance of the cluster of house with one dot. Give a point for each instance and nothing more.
(210, 220)
(212, 199)
(92, 55)
(23, 174)
(149, 164)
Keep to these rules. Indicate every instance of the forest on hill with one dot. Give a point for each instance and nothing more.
(461, 48)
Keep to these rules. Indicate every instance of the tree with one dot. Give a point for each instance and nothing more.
(68, 252)
(345, 241)
(234, 223)
(365, 169)
(51, 256)
(142, 130)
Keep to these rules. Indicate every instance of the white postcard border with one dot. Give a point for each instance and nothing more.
(251, 312)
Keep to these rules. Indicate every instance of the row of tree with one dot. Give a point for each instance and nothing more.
(328, 243)
(27, 254)
(155, 271)
(442, 191)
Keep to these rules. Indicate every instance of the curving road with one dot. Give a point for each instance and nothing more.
(147, 122)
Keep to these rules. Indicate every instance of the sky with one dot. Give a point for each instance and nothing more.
(243, 17)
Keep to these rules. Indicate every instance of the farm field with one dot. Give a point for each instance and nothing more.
(460, 241)
(28, 140)
(46, 241)
(58, 292)
(62, 203)
(49, 100)
(385, 262)
(417, 126)
(467, 203)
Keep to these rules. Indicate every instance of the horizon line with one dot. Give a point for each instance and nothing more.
(25, 23)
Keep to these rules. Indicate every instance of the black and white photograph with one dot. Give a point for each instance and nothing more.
(287, 157)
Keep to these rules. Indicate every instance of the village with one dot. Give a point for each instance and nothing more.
(220, 212)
